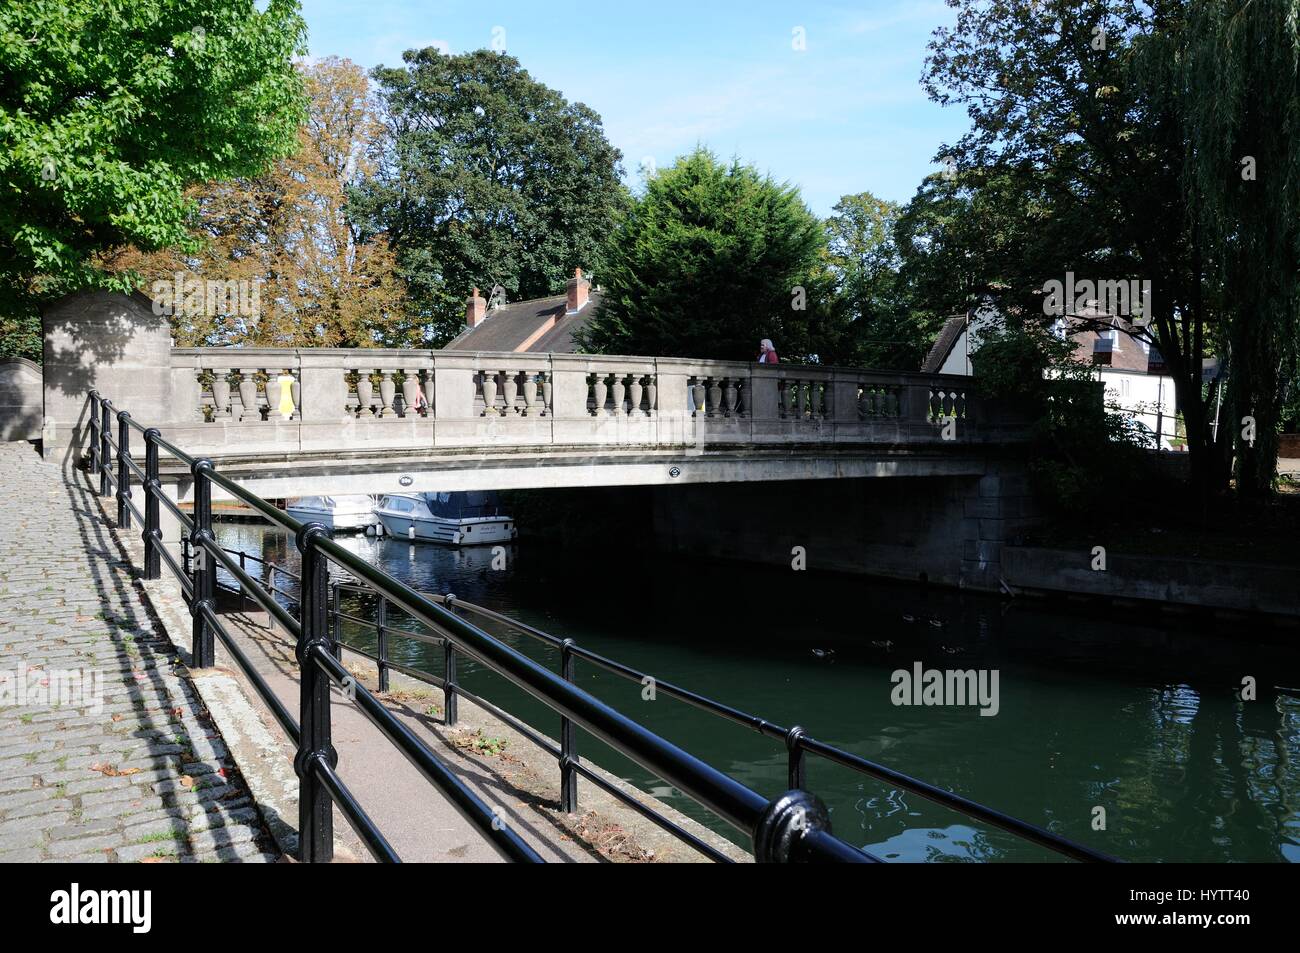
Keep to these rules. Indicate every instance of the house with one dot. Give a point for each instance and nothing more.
(539, 325)
(1126, 362)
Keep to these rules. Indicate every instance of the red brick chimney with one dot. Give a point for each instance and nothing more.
(475, 309)
(577, 288)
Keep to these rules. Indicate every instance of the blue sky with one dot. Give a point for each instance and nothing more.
(845, 114)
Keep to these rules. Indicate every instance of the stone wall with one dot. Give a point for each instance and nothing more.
(21, 400)
(105, 341)
(946, 530)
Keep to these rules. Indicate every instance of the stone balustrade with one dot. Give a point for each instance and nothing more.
(321, 398)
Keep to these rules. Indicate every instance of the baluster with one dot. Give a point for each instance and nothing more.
(715, 396)
(783, 397)
(530, 393)
(800, 400)
(282, 401)
(410, 388)
(489, 394)
(509, 390)
(220, 393)
(652, 394)
(634, 392)
(617, 388)
(547, 390)
(598, 391)
(387, 391)
(248, 409)
(741, 407)
(365, 393)
(728, 396)
(697, 394)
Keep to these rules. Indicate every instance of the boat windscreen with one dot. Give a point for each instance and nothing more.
(473, 504)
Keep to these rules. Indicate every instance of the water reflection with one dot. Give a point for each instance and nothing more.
(1140, 718)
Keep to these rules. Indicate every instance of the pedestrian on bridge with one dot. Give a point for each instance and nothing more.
(766, 352)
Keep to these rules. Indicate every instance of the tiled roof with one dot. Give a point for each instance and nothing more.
(949, 334)
(541, 323)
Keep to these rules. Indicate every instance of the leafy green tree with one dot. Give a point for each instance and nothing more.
(1079, 145)
(864, 258)
(711, 259)
(487, 177)
(109, 110)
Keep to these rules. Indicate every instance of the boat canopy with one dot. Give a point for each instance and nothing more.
(461, 505)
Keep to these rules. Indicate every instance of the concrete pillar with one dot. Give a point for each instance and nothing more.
(105, 341)
(569, 397)
(765, 399)
(323, 384)
(453, 386)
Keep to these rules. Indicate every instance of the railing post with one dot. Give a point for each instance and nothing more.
(787, 820)
(568, 740)
(123, 473)
(381, 616)
(336, 642)
(449, 671)
(105, 426)
(315, 809)
(152, 535)
(795, 760)
(94, 432)
(204, 566)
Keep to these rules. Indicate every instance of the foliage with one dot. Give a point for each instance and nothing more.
(864, 258)
(1241, 66)
(1076, 152)
(487, 177)
(1079, 443)
(711, 259)
(109, 110)
(287, 229)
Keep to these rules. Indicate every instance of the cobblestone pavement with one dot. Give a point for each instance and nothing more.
(106, 751)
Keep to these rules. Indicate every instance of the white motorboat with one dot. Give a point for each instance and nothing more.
(344, 513)
(459, 519)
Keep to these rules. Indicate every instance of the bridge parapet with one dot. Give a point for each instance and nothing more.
(267, 399)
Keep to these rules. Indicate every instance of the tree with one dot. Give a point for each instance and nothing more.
(864, 258)
(1240, 72)
(712, 258)
(487, 178)
(109, 111)
(1078, 114)
(288, 232)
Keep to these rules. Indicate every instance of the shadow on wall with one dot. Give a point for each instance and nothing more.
(99, 340)
(90, 330)
(21, 400)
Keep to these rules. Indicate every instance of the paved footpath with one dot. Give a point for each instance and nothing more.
(125, 765)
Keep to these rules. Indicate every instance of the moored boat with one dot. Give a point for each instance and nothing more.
(343, 513)
(455, 518)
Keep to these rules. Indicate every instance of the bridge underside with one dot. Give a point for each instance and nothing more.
(418, 471)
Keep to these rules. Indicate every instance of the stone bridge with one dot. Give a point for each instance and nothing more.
(304, 421)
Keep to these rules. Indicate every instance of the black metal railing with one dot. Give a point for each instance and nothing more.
(792, 827)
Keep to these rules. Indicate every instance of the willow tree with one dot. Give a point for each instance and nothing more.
(1241, 70)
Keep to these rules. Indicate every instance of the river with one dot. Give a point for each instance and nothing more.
(1137, 715)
